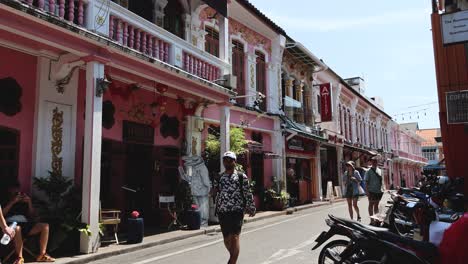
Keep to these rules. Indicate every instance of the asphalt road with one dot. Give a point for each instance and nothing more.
(284, 239)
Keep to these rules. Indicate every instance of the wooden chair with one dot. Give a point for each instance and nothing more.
(110, 217)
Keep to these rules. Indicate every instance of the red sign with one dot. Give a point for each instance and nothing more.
(325, 102)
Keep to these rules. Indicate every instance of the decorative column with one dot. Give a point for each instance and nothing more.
(299, 112)
(187, 18)
(274, 75)
(278, 147)
(308, 107)
(99, 23)
(54, 136)
(379, 142)
(354, 123)
(367, 127)
(251, 78)
(92, 158)
(224, 39)
(159, 12)
(225, 117)
(289, 111)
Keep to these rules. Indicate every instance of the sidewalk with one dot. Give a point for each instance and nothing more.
(159, 239)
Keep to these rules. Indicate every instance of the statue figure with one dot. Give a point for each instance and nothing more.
(197, 175)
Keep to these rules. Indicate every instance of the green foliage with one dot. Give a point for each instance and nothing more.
(271, 195)
(237, 142)
(60, 202)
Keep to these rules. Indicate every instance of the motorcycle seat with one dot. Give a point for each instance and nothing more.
(425, 249)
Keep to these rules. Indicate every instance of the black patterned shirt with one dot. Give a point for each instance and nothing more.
(229, 198)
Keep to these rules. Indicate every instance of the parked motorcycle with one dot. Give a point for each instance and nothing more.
(368, 244)
(413, 210)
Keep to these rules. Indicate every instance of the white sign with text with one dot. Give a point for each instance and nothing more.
(455, 27)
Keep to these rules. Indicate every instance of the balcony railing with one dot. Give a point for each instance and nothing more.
(130, 35)
(70, 10)
(135, 32)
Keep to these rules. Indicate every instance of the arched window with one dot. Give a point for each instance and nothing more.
(173, 18)
(9, 153)
(261, 77)
(238, 68)
(212, 41)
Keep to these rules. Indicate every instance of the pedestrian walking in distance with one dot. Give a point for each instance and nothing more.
(233, 200)
(352, 180)
(374, 187)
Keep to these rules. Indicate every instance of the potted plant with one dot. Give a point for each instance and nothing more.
(276, 200)
(59, 202)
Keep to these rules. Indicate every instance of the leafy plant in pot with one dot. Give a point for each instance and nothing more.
(58, 200)
(276, 200)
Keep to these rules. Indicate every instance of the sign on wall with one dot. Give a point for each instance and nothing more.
(454, 27)
(457, 107)
(325, 102)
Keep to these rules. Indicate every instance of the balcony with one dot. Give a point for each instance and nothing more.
(132, 31)
(72, 11)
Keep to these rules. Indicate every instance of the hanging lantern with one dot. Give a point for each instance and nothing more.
(162, 88)
(154, 108)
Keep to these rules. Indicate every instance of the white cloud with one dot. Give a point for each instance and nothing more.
(338, 23)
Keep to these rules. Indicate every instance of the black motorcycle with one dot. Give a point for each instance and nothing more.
(369, 244)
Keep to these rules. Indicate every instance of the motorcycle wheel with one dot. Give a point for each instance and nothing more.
(402, 230)
(335, 246)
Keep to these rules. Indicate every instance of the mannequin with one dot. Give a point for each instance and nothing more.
(197, 175)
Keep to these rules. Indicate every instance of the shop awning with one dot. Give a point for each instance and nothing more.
(219, 5)
(362, 150)
(301, 129)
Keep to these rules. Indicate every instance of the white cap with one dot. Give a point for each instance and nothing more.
(230, 154)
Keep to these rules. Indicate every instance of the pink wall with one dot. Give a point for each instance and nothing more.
(213, 112)
(21, 67)
(123, 105)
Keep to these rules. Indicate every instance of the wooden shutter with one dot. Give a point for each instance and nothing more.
(238, 69)
(212, 41)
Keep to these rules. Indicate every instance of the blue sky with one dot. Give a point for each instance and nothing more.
(388, 43)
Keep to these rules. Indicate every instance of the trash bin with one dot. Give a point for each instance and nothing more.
(135, 231)
(192, 219)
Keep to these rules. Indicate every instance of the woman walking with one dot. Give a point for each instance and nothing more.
(352, 179)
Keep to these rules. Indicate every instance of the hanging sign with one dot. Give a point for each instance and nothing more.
(454, 27)
(325, 102)
(457, 107)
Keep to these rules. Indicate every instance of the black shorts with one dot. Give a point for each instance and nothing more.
(375, 196)
(25, 227)
(231, 223)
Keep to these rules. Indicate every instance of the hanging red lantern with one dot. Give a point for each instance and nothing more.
(162, 88)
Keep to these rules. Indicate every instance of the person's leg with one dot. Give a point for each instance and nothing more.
(370, 208)
(43, 230)
(227, 242)
(18, 242)
(350, 208)
(376, 207)
(235, 249)
(355, 200)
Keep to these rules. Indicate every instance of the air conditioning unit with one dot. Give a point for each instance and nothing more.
(228, 80)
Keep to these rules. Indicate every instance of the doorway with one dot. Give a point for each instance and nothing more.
(257, 168)
(139, 177)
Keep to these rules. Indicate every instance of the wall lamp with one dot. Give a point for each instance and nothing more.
(102, 84)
